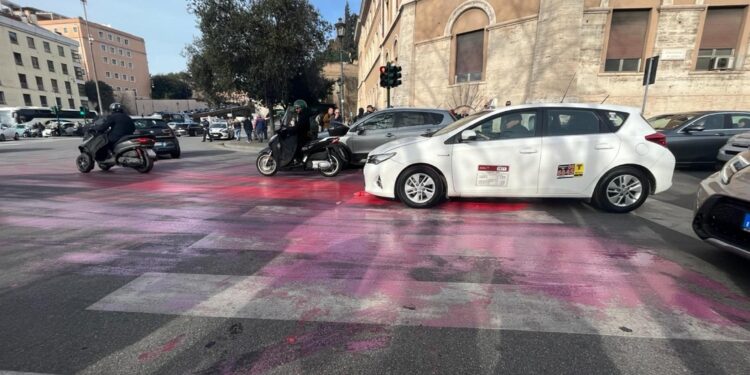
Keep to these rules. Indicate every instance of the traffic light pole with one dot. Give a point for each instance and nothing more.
(388, 96)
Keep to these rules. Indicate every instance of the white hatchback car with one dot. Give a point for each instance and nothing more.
(605, 153)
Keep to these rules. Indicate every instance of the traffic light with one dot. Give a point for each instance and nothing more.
(83, 111)
(55, 110)
(396, 82)
(384, 75)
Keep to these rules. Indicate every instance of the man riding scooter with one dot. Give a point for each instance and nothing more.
(119, 122)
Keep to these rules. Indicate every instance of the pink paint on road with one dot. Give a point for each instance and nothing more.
(162, 349)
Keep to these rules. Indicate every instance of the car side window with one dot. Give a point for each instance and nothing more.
(711, 122)
(507, 126)
(741, 121)
(433, 118)
(562, 122)
(408, 119)
(378, 122)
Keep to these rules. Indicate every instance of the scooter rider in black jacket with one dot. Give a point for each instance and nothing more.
(119, 124)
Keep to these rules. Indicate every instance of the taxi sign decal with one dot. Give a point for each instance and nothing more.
(493, 175)
(570, 170)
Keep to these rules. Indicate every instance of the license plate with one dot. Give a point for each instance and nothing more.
(746, 223)
(160, 144)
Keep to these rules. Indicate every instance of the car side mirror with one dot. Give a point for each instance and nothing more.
(468, 136)
(695, 128)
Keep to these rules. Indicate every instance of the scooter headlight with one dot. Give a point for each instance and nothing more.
(733, 166)
(377, 159)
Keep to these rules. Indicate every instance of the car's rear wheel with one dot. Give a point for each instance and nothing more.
(2, 137)
(15, 137)
(622, 190)
(420, 187)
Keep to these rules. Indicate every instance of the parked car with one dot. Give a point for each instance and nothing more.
(696, 137)
(7, 133)
(734, 146)
(722, 215)
(608, 154)
(391, 124)
(179, 129)
(221, 130)
(166, 140)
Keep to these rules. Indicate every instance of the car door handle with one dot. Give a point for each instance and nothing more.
(604, 146)
(389, 135)
(529, 151)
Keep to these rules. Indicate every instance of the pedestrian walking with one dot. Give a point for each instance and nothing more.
(260, 128)
(247, 124)
(327, 118)
(360, 113)
(337, 116)
(207, 131)
(237, 129)
(370, 109)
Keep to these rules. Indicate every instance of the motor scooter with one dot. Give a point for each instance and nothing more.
(133, 151)
(324, 155)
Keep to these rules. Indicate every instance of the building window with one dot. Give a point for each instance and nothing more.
(71, 103)
(127, 42)
(118, 89)
(130, 65)
(22, 79)
(124, 77)
(122, 63)
(117, 75)
(68, 89)
(35, 62)
(114, 61)
(51, 66)
(108, 75)
(47, 48)
(721, 35)
(75, 29)
(106, 60)
(61, 51)
(64, 68)
(627, 39)
(27, 100)
(43, 100)
(129, 54)
(112, 50)
(65, 30)
(2, 98)
(120, 51)
(59, 102)
(55, 87)
(31, 42)
(118, 39)
(101, 34)
(109, 36)
(19, 59)
(39, 84)
(13, 37)
(132, 79)
(104, 48)
(469, 56)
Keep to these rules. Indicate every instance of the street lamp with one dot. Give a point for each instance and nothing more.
(93, 59)
(340, 33)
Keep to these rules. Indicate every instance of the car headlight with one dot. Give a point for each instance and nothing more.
(733, 166)
(377, 159)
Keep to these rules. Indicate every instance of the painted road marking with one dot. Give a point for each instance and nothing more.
(412, 303)
(668, 215)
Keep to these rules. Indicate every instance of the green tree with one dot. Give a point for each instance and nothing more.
(268, 50)
(171, 86)
(108, 95)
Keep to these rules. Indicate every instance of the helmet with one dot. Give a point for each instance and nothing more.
(116, 108)
(299, 103)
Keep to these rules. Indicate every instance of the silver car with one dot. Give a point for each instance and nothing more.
(221, 130)
(391, 124)
(735, 145)
(722, 213)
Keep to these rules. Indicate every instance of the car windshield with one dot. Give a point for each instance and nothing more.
(459, 123)
(150, 124)
(671, 121)
(218, 125)
(5, 118)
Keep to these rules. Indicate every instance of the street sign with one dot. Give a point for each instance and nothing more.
(649, 74)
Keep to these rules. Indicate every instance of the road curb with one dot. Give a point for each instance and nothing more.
(237, 146)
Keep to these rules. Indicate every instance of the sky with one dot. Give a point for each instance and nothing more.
(166, 25)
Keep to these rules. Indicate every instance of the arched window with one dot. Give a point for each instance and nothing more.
(395, 51)
(469, 44)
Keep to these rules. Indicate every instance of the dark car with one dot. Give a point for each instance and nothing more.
(166, 141)
(696, 137)
(194, 128)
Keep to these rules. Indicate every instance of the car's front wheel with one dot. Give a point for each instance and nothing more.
(420, 187)
(622, 190)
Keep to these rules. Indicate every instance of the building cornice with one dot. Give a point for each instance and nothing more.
(92, 24)
(37, 31)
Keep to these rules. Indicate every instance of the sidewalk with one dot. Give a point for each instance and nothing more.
(243, 145)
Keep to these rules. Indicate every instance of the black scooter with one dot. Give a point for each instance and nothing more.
(325, 155)
(133, 151)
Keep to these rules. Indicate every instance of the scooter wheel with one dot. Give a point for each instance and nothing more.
(266, 165)
(146, 166)
(85, 163)
(336, 165)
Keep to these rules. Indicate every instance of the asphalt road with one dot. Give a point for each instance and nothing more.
(205, 267)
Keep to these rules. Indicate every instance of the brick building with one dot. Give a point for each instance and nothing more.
(463, 54)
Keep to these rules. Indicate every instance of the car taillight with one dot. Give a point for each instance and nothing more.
(657, 138)
(144, 141)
